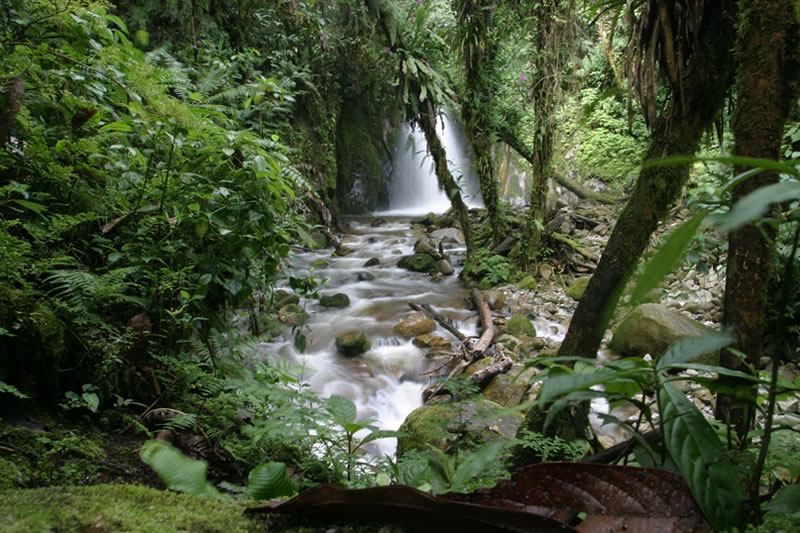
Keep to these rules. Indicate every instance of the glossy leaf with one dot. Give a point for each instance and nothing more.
(268, 481)
(697, 451)
(667, 257)
(755, 205)
(342, 409)
(686, 349)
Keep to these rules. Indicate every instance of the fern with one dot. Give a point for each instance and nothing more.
(85, 292)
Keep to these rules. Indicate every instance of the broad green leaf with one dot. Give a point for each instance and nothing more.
(666, 258)
(562, 384)
(122, 125)
(697, 451)
(269, 481)
(91, 400)
(755, 204)
(712, 369)
(178, 471)
(342, 409)
(380, 434)
(33, 206)
(690, 348)
(477, 462)
(786, 501)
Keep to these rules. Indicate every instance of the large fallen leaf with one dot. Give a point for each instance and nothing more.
(409, 507)
(543, 497)
(609, 498)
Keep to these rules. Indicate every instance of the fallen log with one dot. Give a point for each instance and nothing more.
(428, 311)
(486, 321)
(483, 377)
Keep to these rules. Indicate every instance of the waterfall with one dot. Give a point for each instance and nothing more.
(413, 188)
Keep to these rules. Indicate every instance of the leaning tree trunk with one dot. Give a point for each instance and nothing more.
(657, 187)
(766, 90)
(427, 121)
(478, 49)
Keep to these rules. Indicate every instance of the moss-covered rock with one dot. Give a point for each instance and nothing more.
(494, 299)
(528, 284)
(292, 314)
(520, 325)
(281, 298)
(456, 426)
(352, 343)
(120, 508)
(578, 287)
(415, 325)
(418, 263)
(432, 341)
(372, 261)
(32, 354)
(335, 300)
(509, 389)
(651, 328)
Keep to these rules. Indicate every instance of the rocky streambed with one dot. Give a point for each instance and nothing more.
(366, 343)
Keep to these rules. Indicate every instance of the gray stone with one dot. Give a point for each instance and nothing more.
(418, 263)
(448, 235)
(364, 276)
(415, 325)
(651, 328)
(444, 266)
(372, 261)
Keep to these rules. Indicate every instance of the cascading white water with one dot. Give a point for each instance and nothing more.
(413, 188)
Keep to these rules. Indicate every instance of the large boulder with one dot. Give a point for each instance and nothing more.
(335, 300)
(352, 343)
(519, 326)
(577, 288)
(509, 389)
(651, 328)
(415, 325)
(292, 314)
(528, 284)
(448, 235)
(418, 263)
(456, 426)
(426, 246)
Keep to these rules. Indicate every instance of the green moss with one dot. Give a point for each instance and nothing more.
(578, 287)
(119, 508)
(520, 325)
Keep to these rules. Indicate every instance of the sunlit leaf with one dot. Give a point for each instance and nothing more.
(178, 471)
(342, 409)
(755, 205)
(689, 348)
(270, 480)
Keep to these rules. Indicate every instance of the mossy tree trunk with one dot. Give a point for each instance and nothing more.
(479, 50)
(677, 132)
(426, 119)
(766, 91)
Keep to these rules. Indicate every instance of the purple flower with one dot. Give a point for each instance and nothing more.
(523, 77)
(420, 2)
(492, 6)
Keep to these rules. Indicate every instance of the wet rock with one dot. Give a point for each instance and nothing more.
(372, 261)
(281, 298)
(444, 266)
(456, 426)
(520, 325)
(292, 314)
(578, 287)
(364, 276)
(415, 325)
(651, 328)
(352, 343)
(448, 235)
(495, 299)
(418, 263)
(426, 246)
(343, 250)
(335, 300)
(432, 341)
(505, 247)
(528, 284)
(545, 272)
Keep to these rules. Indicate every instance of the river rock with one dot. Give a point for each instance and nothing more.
(448, 235)
(426, 246)
(509, 389)
(343, 250)
(364, 276)
(456, 426)
(444, 266)
(372, 261)
(520, 325)
(335, 300)
(651, 328)
(432, 341)
(528, 284)
(578, 287)
(418, 263)
(281, 298)
(352, 343)
(415, 325)
(292, 314)
(494, 299)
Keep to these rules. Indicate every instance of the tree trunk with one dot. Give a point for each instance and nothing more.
(678, 132)
(478, 50)
(427, 121)
(766, 90)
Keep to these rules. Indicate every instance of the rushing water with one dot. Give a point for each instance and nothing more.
(413, 187)
(385, 382)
